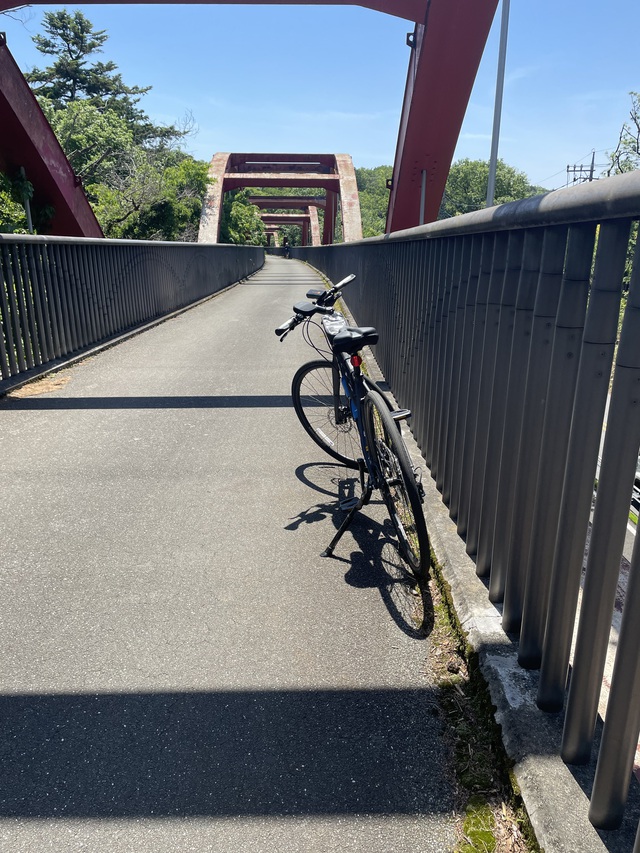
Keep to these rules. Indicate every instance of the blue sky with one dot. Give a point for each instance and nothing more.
(328, 79)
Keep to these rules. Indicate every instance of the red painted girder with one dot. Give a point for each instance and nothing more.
(286, 202)
(410, 10)
(27, 140)
(443, 66)
(234, 180)
(285, 218)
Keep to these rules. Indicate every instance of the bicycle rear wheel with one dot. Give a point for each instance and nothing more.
(324, 411)
(397, 484)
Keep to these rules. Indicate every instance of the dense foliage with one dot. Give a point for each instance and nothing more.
(466, 187)
(241, 222)
(374, 198)
(138, 180)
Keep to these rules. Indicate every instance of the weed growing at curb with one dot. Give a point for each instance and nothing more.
(495, 819)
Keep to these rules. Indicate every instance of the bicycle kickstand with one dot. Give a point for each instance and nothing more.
(364, 499)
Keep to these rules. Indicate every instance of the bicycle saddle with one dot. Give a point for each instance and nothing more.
(353, 338)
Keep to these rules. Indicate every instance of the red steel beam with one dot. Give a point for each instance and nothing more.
(238, 180)
(27, 140)
(444, 62)
(285, 218)
(286, 202)
(410, 10)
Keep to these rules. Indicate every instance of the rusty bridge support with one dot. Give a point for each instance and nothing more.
(333, 173)
(307, 205)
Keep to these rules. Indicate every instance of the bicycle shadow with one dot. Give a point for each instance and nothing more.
(377, 563)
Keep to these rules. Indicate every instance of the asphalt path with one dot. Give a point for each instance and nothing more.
(181, 670)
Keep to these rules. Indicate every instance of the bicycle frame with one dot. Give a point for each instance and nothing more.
(355, 391)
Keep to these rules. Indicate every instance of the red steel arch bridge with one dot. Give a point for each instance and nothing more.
(446, 45)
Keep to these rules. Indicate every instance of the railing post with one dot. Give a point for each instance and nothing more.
(446, 377)
(487, 374)
(544, 313)
(565, 360)
(457, 345)
(497, 404)
(614, 493)
(622, 723)
(433, 351)
(518, 360)
(467, 321)
(475, 375)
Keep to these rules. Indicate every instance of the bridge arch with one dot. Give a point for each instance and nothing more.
(334, 173)
(446, 47)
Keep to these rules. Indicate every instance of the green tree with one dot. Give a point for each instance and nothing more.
(146, 199)
(94, 141)
(71, 40)
(139, 182)
(374, 198)
(466, 187)
(241, 222)
(626, 157)
(13, 217)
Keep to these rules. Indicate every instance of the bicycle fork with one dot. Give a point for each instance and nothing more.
(354, 505)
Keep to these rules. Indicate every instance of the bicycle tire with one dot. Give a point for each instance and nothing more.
(314, 401)
(397, 484)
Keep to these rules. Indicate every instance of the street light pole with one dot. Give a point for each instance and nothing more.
(497, 112)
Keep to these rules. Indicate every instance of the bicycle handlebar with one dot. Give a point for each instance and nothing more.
(323, 304)
(329, 296)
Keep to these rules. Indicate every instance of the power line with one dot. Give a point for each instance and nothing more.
(580, 174)
(577, 161)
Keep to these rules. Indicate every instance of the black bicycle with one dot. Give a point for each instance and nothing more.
(348, 415)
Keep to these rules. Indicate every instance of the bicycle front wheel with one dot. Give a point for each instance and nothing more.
(398, 485)
(324, 411)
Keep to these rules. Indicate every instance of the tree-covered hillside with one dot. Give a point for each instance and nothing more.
(138, 179)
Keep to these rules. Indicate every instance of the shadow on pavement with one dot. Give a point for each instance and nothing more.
(377, 564)
(307, 752)
(258, 401)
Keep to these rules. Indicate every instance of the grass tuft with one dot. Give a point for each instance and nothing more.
(495, 818)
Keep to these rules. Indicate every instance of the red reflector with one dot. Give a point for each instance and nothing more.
(356, 360)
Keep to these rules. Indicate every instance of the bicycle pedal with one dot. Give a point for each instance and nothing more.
(401, 414)
(348, 503)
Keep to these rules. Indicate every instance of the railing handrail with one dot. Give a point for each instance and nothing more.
(109, 241)
(617, 197)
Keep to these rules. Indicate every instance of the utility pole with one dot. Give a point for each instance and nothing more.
(582, 174)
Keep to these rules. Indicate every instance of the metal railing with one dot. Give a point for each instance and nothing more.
(61, 296)
(498, 329)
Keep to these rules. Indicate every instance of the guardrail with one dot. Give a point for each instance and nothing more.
(498, 329)
(59, 297)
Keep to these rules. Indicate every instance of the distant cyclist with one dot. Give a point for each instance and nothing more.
(286, 247)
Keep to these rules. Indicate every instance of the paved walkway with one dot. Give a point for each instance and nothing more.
(180, 670)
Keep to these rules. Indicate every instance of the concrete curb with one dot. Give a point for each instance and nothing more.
(557, 805)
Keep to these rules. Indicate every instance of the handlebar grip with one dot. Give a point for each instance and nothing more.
(344, 282)
(286, 327)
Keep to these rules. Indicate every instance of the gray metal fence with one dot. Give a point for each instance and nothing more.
(60, 296)
(499, 329)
